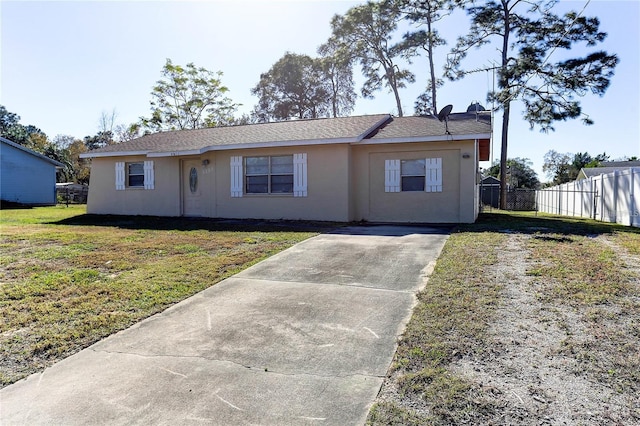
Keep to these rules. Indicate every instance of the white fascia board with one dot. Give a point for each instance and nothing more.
(112, 154)
(438, 138)
(241, 146)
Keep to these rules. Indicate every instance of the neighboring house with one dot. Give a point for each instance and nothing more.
(606, 168)
(26, 177)
(374, 168)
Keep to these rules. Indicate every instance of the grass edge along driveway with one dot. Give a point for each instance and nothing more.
(580, 320)
(68, 279)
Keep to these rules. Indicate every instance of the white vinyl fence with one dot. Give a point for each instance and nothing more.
(612, 197)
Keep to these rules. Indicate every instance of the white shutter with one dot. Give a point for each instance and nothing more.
(236, 176)
(148, 175)
(434, 175)
(300, 175)
(120, 175)
(392, 176)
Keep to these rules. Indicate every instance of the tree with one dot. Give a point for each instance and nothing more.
(188, 98)
(425, 13)
(528, 33)
(519, 173)
(562, 168)
(11, 129)
(293, 88)
(366, 32)
(99, 140)
(336, 65)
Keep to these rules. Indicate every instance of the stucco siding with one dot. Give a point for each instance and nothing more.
(327, 190)
(454, 204)
(26, 178)
(163, 200)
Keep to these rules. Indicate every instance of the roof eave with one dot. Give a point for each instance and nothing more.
(91, 154)
(272, 144)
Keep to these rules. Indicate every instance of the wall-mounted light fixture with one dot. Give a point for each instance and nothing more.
(205, 162)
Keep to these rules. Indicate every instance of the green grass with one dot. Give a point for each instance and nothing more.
(573, 269)
(69, 279)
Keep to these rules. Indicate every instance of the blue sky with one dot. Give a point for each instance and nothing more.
(64, 63)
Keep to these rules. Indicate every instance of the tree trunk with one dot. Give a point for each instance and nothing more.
(506, 107)
(503, 155)
(431, 67)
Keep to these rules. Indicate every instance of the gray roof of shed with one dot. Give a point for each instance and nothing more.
(597, 171)
(365, 128)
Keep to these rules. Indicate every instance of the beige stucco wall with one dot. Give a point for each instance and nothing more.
(161, 201)
(327, 189)
(327, 192)
(345, 183)
(455, 204)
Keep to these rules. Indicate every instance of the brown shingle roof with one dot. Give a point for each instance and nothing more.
(345, 129)
(416, 127)
(369, 128)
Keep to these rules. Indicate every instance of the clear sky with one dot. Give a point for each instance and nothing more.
(64, 63)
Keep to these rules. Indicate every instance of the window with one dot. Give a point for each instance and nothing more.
(269, 175)
(134, 175)
(413, 173)
(283, 174)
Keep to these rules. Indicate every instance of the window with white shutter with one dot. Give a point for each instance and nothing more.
(392, 176)
(120, 176)
(434, 175)
(300, 175)
(236, 176)
(148, 175)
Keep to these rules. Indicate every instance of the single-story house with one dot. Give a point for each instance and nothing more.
(26, 177)
(606, 168)
(374, 168)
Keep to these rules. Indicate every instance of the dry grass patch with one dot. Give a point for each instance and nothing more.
(526, 320)
(65, 286)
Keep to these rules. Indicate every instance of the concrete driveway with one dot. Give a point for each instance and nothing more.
(304, 337)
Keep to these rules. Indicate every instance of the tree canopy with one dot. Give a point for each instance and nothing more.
(564, 167)
(528, 33)
(520, 174)
(188, 97)
(293, 88)
(366, 31)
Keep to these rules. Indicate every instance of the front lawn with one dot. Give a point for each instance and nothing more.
(68, 279)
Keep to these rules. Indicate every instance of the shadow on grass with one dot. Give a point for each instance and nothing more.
(532, 223)
(193, 224)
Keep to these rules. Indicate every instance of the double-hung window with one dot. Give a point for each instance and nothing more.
(137, 174)
(269, 174)
(413, 173)
(275, 174)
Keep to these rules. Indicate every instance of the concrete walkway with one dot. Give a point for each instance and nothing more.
(304, 337)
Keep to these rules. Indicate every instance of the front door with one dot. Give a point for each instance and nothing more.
(191, 192)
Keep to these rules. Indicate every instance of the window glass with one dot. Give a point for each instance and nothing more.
(257, 165)
(257, 184)
(135, 174)
(269, 175)
(281, 184)
(282, 164)
(413, 183)
(413, 174)
(412, 167)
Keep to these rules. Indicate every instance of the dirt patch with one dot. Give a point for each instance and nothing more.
(537, 372)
